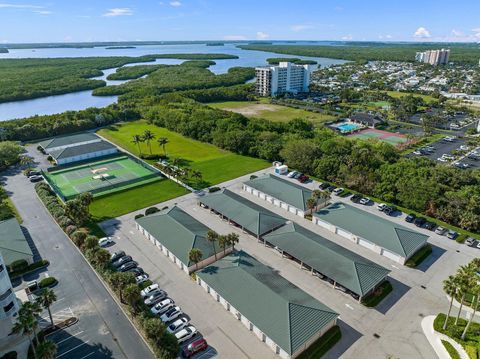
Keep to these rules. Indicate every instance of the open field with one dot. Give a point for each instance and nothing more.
(271, 112)
(123, 202)
(215, 164)
(100, 177)
(397, 94)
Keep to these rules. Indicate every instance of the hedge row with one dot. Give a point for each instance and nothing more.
(21, 267)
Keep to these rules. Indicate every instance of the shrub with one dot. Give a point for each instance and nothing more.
(139, 216)
(78, 237)
(47, 282)
(39, 264)
(151, 210)
(50, 158)
(164, 208)
(18, 265)
(461, 238)
(70, 229)
(252, 177)
(64, 221)
(147, 156)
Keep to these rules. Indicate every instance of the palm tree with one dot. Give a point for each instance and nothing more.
(119, 281)
(162, 141)
(137, 139)
(223, 242)
(476, 299)
(26, 161)
(148, 136)
(26, 325)
(195, 255)
(464, 283)
(212, 237)
(311, 204)
(32, 309)
(46, 299)
(450, 287)
(197, 175)
(232, 239)
(47, 350)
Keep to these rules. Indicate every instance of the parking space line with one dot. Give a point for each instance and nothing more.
(70, 337)
(86, 356)
(68, 351)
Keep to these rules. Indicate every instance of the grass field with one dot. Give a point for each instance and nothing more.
(215, 164)
(118, 173)
(276, 113)
(123, 202)
(397, 94)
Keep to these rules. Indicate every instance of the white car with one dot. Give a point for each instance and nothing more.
(141, 278)
(464, 147)
(177, 325)
(448, 157)
(155, 297)
(337, 191)
(292, 174)
(364, 201)
(171, 314)
(105, 241)
(163, 306)
(149, 290)
(381, 206)
(186, 333)
(441, 159)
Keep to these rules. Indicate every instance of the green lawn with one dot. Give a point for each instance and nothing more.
(471, 344)
(397, 94)
(120, 203)
(215, 164)
(320, 347)
(276, 113)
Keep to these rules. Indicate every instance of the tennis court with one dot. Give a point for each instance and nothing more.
(101, 177)
(389, 137)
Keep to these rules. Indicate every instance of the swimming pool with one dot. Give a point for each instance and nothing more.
(348, 127)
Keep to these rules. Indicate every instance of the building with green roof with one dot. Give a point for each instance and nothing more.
(251, 217)
(387, 238)
(330, 261)
(83, 152)
(175, 233)
(279, 313)
(60, 142)
(13, 244)
(281, 193)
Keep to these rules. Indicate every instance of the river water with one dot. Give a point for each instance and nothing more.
(83, 99)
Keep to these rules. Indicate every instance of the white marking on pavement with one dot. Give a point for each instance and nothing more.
(86, 356)
(68, 351)
(70, 337)
(394, 266)
(349, 306)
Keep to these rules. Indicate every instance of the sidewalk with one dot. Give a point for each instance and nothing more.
(435, 340)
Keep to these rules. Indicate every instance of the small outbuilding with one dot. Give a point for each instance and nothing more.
(13, 243)
(83, 152)
(61, 142)
(366, 119)
(279, 313)
(176, 233)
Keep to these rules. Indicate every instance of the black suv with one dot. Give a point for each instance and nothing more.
(410, 218)
(116, 256)
(419, 221)
(355, 198)
(430, 225)
(324, 186)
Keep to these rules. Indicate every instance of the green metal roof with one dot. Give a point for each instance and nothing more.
(68, 140)
(13, 244)
(347, 268)
(249, 215)
(81, 149)
(179, 232)
(281, 310)
(382, 232)
(281, 189)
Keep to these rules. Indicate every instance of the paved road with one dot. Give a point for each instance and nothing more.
(105, 332)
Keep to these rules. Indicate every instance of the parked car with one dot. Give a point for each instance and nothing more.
(452, 234)
(171, 314)
(303, 179)
(141, 278)
(441, 159)
(186, 333)
(34, 179)
(136, 271)
(177, 325)
(472, 156)
(430, 225)
(382, 206)
(365, 201)
(116, 256)
(155, 297)
(410, 218)
(390, 210)
(127, 266)
(125, 259)
(337, 191)
(470, 241)
(292, 174)
(297, 175)
(323, 186)
(163, 306)
(440, 230)
(149, 290)
(355, 198)
(331, 188)
(105, 241)
(419, 221)
(33, 173)
(194, 347)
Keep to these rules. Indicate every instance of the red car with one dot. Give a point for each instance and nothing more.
(194, 347)
(303, 179)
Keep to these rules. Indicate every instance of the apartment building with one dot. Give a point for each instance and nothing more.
(282, 78)
(433, 57)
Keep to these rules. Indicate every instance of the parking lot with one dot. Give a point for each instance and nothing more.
(417, 292)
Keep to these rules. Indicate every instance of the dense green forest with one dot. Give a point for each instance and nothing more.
(276, 60)
(133, 72)
(188, 75)
(460, 53)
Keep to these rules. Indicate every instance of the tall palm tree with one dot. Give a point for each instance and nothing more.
(195, 255)
(137, 139)
(162, 141)
(212, 237)
(46, 299)
(232, 239)
(47, 350)
(463, 276)
(148, 136)
(197, 174)
(26, 325)
(450, 287)
(476, 299)
(223, 242)
(34, 310)
(311, 204)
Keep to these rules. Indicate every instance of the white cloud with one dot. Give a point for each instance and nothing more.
(300, 27)
(43, 12)
(458, 33)
(175, 3)
(385, 37)
(422, 33)
(118, 11)
(347, 37)
(19, 6)
(234, 37)
(262, 35)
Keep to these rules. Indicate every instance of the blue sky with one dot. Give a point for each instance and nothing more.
(108, 20)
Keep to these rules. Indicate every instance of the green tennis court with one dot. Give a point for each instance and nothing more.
(385, 136)
(101, 177)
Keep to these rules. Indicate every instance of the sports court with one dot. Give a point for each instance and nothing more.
(101, 177)
(385, 136)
